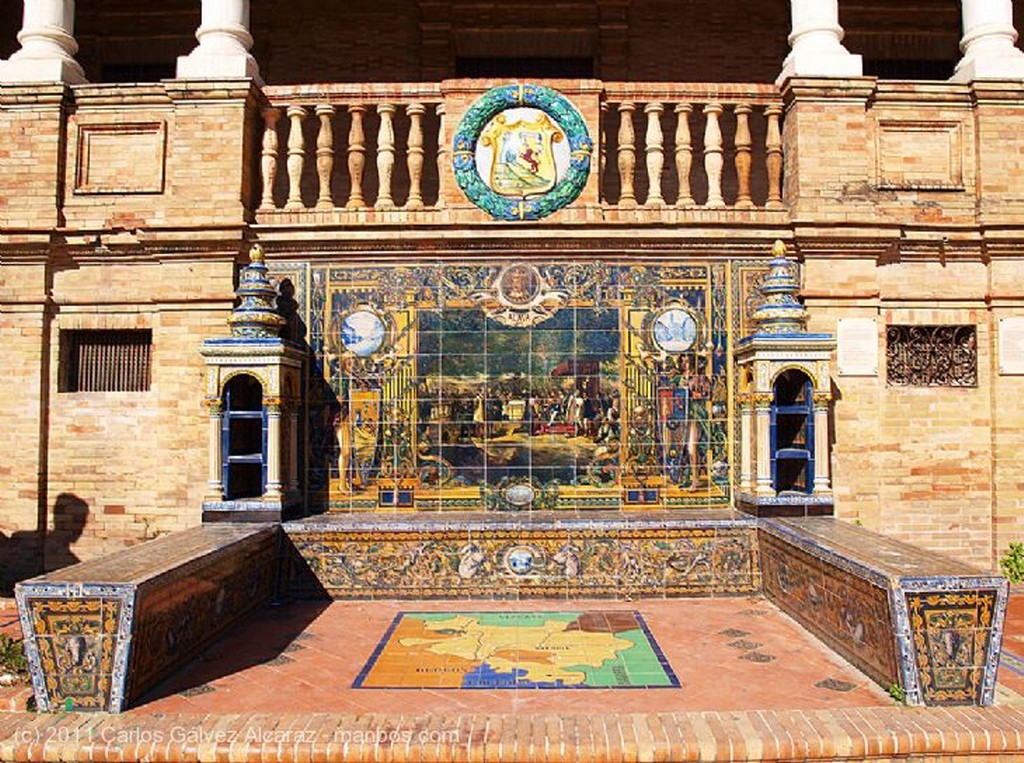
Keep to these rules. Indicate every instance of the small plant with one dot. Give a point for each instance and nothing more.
(12, 657)
(896, 692)
(1012, 563)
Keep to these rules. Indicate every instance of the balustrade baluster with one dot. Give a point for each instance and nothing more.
(627, 156)
(773, 159)
(655, 149)
(713, 154)
(414, 157)
(602, 156)
(268, 162)
(356, 157)
(442, 156)
(325, 155)
(743, 143)
(684, 154)
(385, 156)
(296, 156)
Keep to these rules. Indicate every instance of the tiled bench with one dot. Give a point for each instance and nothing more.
(99, 634)
(527, 555)
(921, 623)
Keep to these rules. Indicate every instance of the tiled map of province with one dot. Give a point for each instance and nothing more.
(520, 650)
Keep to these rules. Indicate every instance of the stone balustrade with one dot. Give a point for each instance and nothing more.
(661, 149)
(709, 146)
(321, 145)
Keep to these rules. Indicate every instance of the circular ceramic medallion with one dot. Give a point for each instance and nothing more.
(675, 330)
(519, 285)
(519, 495)
(522, 152)
(362, 332)
(519, 560)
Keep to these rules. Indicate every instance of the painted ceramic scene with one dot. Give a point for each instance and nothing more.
(515, 386)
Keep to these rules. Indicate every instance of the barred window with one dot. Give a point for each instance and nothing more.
(104, 360)
(932, 356)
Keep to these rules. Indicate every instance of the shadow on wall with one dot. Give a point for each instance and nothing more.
(321, 407)
(27, 553)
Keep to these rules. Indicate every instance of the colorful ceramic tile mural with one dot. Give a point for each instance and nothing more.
(951, 633)
(580, 559)
(517, 650)
(513, 385)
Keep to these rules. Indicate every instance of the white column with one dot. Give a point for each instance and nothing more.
(817, 43)
(48, 45)
(224, 42)
(988, 41)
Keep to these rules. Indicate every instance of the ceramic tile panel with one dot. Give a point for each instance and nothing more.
(476, 560)
(513, 385)
(847, 612)
(181, 611)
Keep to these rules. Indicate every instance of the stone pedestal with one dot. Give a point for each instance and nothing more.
(988, 42)
(224, 43)
(817, 43)
(48, 45)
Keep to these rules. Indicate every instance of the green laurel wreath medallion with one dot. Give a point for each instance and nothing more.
(488, 106)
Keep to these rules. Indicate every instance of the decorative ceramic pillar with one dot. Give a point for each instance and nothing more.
(273, 407)
(817, 43)
(214, 482)
(822, 478)
(224, 42)
(48, 45)
(988, 41)
(762, 444)
(655, 150)
(746, 442)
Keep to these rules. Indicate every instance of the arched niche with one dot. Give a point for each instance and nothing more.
(791, 433)
(243, 438)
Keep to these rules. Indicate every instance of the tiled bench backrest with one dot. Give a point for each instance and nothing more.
(532, 555)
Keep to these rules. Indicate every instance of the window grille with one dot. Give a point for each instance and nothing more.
(105, 360)
(932, 356)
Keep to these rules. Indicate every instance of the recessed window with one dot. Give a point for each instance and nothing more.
(932, 356)
(105, 360)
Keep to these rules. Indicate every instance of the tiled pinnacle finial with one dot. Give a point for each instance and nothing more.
(781, 313)
(255, 317)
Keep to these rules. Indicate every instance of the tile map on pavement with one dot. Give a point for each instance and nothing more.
(517, 650)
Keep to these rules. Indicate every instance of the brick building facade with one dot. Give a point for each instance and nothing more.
(132, 187)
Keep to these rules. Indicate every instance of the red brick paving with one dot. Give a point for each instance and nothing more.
(324, 647)
(463, 725)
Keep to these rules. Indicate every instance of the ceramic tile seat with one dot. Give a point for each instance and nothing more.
(99, 633)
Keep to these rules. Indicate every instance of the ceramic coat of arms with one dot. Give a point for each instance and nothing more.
(522, 152)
